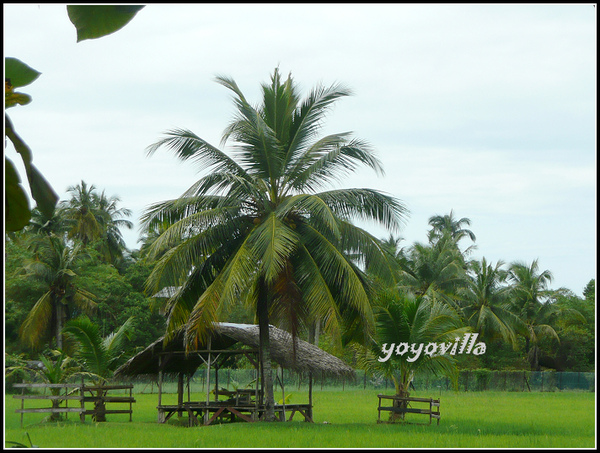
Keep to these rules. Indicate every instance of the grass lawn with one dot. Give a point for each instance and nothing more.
(474, 419)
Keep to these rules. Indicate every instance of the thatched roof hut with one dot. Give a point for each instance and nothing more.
(305, 357)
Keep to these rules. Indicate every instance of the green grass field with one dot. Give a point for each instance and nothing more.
(474, 419)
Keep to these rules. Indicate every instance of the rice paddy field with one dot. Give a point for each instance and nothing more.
(343, 419)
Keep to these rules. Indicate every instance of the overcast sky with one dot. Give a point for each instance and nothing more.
(486, 110)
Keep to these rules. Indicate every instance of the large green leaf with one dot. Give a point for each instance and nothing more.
(18, 72)
(15, 202)
(41, 190)
(95, 21)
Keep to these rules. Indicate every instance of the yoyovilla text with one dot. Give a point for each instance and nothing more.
(467, 346)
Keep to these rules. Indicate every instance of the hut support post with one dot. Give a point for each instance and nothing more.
(160, 380)
(180, 394)
(310, 402)
(216, 383)
(207, 413)
(282, 394)
(189, 377)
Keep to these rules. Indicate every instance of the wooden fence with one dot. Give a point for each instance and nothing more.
(77, 394)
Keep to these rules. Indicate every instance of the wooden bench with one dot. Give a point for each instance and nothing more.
(401, 405)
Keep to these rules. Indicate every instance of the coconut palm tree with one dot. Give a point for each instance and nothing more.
(528, 298)
(80, 212)
(260, 226)
(485, 303)
(111, 219)
(447, 223)
(405, 318)
(100, 356)
(40, 223)
(55, 263)
(436, 270)
(95, 218)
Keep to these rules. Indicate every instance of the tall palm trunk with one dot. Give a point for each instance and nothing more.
(59, 313)
(265, 351)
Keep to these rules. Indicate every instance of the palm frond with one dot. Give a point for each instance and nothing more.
(366, 205)
(273, 243)
(38, 320)
(92, 349)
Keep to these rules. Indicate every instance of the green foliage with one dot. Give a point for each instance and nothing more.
(100, 355)
(55, 264)
(413, 320)
(95, 21)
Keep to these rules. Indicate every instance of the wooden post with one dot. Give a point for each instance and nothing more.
(207, 412)
(22, 405)
(310, 387)
(82, 399)
(282, 393)
(216, 382)
(180, 394)
(160, 358)
(189, 377)
(131, 403)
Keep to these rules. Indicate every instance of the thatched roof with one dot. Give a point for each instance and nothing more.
(308, 357)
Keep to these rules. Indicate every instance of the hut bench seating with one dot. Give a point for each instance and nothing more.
(197, 410)
(433, 411)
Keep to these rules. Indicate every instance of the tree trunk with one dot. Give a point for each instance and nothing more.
(402, 392)
(59, 324)
(55, 416)
(100, 407)
(265, 351)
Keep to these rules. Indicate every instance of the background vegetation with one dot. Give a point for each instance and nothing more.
(115, 280)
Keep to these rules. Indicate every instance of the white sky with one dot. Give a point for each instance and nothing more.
(489, 110)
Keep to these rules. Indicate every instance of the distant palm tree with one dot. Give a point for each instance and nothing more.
(111, 218)
(528, 293)
(55, 263)
(485, 303)
(448, 224)
(80, 212)
(436, 270)
(40, 223)
(260, 228)
(95, 218)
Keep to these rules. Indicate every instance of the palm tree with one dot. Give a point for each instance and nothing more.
(95, 218)
(55, 263)
(80, 212)
(447, 223)
(40, 223)
(405, 318)
(436, 270)
(485, 303)
(259, 227)
(111, 219)
(99, 355)
(529, 289)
